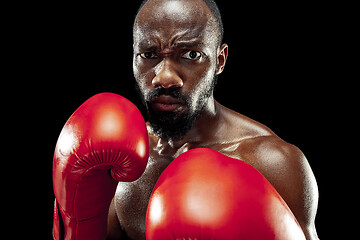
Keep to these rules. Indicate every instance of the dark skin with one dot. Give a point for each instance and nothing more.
(177, 47)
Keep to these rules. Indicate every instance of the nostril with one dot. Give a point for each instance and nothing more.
(167, 78)
(168, 82)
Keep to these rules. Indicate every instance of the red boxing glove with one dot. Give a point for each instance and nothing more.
(204, 194)
(103, 142)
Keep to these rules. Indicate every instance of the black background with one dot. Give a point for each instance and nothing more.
(280, 72)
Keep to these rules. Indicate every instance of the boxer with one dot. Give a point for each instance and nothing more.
(178, 54)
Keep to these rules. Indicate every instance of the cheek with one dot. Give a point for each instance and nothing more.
(137, 70)
(143, 77)
(200, 77)
(199, 74)
(199, 87)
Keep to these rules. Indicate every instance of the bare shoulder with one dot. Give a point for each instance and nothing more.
(274, 158)
(283, 164)
(271, 152)
(287, 169)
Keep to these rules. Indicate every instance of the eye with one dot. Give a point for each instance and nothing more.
(148, 55)
(191, 55)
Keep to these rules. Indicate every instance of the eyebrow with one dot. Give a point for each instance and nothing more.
(146, 47)
(191, 43)
(182, 44)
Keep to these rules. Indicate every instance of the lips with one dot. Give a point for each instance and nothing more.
(166, 103)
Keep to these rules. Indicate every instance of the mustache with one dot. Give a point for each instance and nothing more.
(172, 91)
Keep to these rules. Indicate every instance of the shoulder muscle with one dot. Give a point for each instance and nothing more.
(287, 169)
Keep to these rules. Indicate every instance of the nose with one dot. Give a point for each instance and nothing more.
(166, 75)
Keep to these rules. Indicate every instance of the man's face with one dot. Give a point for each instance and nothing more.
(175, 62)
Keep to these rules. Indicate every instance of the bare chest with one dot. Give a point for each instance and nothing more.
(131, 199)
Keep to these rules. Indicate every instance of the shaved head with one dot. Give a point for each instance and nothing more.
(176, 6)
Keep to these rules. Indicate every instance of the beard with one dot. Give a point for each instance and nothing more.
(175, 125)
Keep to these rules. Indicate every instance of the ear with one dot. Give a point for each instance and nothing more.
(221, 59)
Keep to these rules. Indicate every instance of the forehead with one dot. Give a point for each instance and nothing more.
(167, 21)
